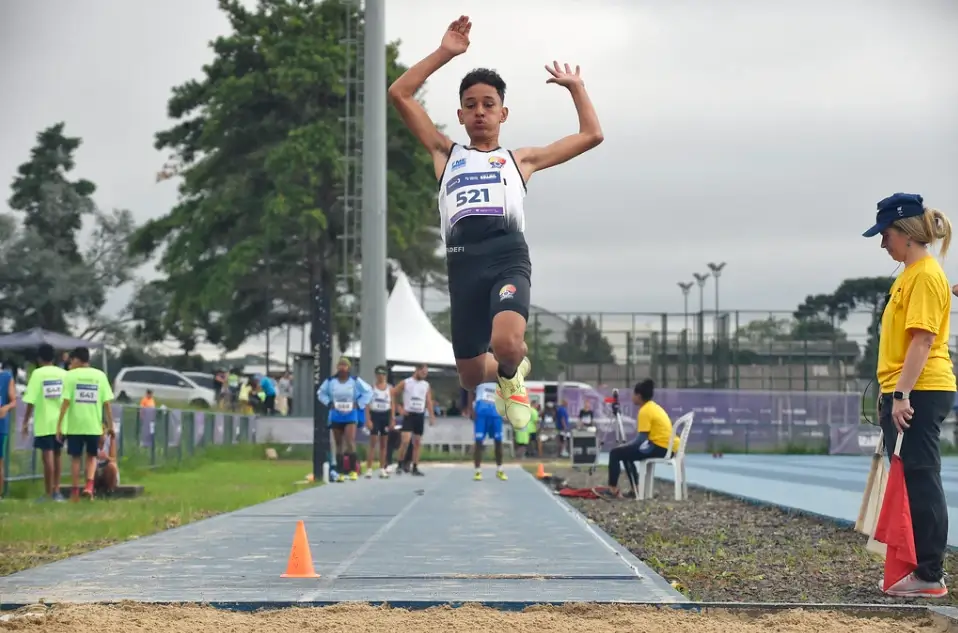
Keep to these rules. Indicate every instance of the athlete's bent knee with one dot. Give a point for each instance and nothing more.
(472, 372)
(509, 346)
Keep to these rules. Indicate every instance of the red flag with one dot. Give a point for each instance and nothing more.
(894, 524)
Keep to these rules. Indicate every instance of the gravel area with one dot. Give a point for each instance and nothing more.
(719, 549)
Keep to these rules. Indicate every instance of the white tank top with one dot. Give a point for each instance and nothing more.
(486, 392)
(414, 395)
(480, 195)
(382, 399)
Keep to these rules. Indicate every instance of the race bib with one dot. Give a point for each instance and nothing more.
(481, 193)
(343, 406)
(380, 405)
(488, 395)
(52, 389)
(548, 419)
(416, 405)
(87, 394)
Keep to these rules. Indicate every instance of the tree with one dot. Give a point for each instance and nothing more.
(259, 145)
(543, 352)
(585, 343)
(45, 280)
(820, 317)
(764, 330)
(443, 322)
(52, 204)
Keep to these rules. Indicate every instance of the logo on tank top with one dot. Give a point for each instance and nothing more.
(458, 164)
(497, 162)
(507, 292)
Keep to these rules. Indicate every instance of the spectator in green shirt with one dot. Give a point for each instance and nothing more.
(85, 416)
(44, 397)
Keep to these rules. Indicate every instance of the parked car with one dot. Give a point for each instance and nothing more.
(201, 378)
(167, 385)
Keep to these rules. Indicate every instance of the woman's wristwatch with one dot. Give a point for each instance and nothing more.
(900, 395)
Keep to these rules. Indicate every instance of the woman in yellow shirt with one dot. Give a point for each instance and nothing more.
(655, 431)
(916, 376)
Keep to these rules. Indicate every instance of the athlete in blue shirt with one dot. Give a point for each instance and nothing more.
(268, 387)
(487, 423)
(347, 397)
(8, 401)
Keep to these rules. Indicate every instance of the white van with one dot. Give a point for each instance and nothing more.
(167, 385)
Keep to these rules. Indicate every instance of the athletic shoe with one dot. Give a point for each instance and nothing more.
(58, 497)
(341, 478)
(417, 472)
(383, 474)
(512, 400)
(911, 586)
(477, 476)
(353, 476)
(501, 474)
(369, 473)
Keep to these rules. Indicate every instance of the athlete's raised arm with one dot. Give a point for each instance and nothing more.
(533, 159)
(403, 91)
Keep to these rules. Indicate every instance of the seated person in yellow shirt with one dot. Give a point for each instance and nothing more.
(655, 431)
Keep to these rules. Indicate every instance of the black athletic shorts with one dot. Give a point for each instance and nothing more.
(485, 279)
(414, 423)
(380, 423)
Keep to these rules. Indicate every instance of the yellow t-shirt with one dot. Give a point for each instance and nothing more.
(655, 421)
(920, 298)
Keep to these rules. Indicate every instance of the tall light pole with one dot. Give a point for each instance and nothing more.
(373, 242)
(716, 271)
(686, 287)
(700, 279)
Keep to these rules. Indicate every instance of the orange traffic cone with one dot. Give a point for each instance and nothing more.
(300, 563)
(541, 471)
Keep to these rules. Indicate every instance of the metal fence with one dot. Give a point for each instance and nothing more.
(741, 349)
(145, 436)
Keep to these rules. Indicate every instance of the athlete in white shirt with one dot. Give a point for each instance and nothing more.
(481, 191)
(413, 398)
(380, 420)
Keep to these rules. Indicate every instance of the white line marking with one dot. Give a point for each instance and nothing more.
(588, 526)
(328, 579)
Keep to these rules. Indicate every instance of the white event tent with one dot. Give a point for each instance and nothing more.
(410, 335)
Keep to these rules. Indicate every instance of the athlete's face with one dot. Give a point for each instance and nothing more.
(481, 112)
(380, 378)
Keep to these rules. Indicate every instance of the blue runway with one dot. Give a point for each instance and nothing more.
(821, 484)
(414, 540)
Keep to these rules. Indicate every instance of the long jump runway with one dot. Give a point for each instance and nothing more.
(442, 538)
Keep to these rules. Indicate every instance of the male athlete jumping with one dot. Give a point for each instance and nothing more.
(481, 191)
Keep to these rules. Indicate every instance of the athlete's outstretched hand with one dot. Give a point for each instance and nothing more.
(563, 75)
(456, 39)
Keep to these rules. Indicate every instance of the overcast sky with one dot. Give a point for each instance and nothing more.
(757, 133)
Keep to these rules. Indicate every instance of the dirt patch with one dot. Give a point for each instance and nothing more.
(719, 549)
(470, 619)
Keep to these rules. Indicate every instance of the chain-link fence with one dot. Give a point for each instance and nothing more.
(145, 437)
(715, 350)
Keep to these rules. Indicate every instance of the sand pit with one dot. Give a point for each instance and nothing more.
(471, 619)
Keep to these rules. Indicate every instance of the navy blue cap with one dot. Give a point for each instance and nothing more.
(893, 208)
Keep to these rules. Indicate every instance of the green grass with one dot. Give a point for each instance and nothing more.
(222, 479)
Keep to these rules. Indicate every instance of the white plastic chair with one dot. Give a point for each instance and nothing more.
(646, 467)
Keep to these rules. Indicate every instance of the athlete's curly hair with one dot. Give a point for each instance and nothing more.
(483, 76)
